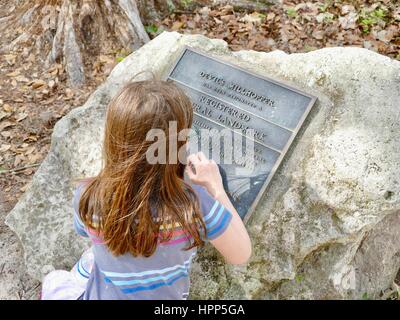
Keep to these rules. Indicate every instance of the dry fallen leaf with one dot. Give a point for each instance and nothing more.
(349, 21)
(53, 70)
(22, 79)
(32, 137)
(19, 158)
(176, 25)
(255, 17)
(51, 84)
(37, 84)
(271, 16)
(13, 74)
(3, 115)
(30, 150)
(6, 124)
(205, 11)
(106, 59)
(7, 108)
(21, 116)
(386, 35)
(347, 8)
(34, 158)
(25, 187)
(318, 34)
(5, 147)
(69, 94)
(6, 134)
(10, 58)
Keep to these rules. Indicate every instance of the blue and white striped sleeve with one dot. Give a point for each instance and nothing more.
(78, 224)
(216, 216)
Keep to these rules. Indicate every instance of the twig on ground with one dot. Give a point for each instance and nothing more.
(33, 291)
(20, 168)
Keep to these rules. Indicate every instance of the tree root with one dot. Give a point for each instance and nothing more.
(74, 31)
(71, 51)
(247, 5)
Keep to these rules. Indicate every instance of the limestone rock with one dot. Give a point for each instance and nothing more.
(328, 227)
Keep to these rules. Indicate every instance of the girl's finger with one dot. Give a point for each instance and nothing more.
(202, 156)
(193, 159)
(193, 168)
(190, 172)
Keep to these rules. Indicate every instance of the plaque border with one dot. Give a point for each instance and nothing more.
(296, 130)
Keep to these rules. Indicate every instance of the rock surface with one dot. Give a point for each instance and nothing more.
(329, 225)
(15, 283)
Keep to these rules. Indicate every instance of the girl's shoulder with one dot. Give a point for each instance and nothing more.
(215, 215)
(80, 185)
(200, 191)
(206, 201)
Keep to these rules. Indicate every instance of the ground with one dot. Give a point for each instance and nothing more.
(33, 97)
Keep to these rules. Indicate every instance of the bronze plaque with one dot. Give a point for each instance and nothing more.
(228, 99)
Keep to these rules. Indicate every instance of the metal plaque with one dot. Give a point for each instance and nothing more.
(229, 102)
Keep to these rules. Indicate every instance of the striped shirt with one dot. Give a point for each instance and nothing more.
(164, 275)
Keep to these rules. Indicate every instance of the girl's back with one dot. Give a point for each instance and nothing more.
(144, 218)
(163, 275)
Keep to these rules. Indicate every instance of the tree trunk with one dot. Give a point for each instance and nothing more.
(152, 10)
(72, 31)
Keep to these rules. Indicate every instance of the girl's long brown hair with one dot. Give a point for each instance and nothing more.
(130, 199)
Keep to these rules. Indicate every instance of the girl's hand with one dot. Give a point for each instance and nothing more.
(205, 172)
(234, 244)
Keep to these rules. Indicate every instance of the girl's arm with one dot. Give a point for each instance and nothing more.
(78, 224)
(234, 244)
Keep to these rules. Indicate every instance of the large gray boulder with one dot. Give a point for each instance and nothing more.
(329, 225)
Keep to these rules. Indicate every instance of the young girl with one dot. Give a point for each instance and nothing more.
(145, 221)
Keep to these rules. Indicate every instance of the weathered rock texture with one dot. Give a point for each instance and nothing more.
(329, 225)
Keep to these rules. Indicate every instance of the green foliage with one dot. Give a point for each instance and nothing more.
(308, 48)
(370, 19)
(119, 59)
(329, 17)
(365, 23)
(171, 6)
(299, 278)
(121, 55)
(152, 28)
(325, 6)
(261, 15)
(186, 3)
(365, 296)
(291, 12)
(379, 13)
